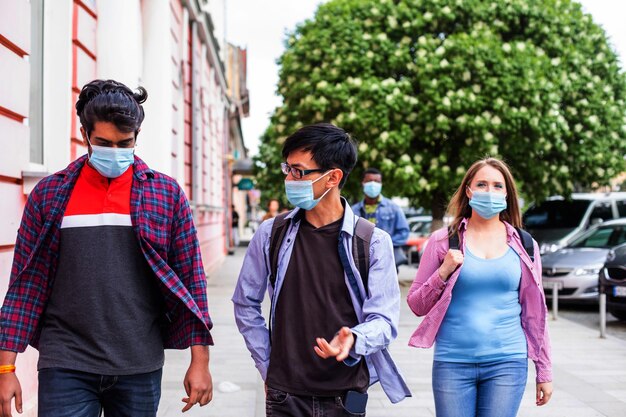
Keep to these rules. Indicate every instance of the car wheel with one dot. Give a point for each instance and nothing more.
(620, 315)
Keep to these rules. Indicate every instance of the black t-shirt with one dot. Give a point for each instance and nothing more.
(314, 302)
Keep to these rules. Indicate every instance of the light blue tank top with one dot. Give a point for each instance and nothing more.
(483, 323)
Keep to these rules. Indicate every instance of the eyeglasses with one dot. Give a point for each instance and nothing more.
(296, 172)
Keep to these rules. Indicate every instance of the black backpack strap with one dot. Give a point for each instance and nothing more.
(453, 239)
(361, 240)
(527, 241)
(279, 229)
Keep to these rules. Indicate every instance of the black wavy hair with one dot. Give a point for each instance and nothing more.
(113, 102)
(372, 171)
(330, 146)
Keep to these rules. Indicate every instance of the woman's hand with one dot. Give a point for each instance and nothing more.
(453, 259)
(544, 393)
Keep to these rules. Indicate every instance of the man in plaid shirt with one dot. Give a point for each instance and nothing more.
(107, 273)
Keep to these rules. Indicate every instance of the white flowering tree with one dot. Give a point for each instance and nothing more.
(429, 86)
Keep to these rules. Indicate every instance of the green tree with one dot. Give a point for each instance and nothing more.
(429, 86)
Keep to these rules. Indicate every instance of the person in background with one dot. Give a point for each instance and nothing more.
(483, 303)
(235, 226)
(107, 273)
(273, 207)
(383, 212)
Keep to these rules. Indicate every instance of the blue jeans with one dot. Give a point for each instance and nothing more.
(281, 404)
(492, 389)
(63, 392)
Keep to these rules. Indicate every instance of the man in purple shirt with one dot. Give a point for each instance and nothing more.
(329, 336)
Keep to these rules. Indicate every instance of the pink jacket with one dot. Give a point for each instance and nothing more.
(429, 296)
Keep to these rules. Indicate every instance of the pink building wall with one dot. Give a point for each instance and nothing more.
(205, 187)
(15, 141)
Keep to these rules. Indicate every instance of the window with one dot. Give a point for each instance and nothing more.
(602, 210)
(556, 214)
(621, 208)
(602, 237)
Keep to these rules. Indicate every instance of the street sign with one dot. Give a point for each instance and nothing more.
(245, 184)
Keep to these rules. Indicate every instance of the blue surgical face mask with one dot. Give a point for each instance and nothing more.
(372, 189)
(300, 193)
(487, 204)
(111, 162)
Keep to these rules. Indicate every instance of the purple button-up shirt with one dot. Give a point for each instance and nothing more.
(430, 296)
(378, 315)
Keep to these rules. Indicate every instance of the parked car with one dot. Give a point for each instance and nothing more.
(555, 222)
(419, 227)
(575, 268)
(613, 282)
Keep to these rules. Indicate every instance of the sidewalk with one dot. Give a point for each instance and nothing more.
(589, 372)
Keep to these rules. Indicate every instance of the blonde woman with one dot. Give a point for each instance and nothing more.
(483, 302)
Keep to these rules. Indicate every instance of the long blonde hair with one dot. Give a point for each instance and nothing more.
(459, 207)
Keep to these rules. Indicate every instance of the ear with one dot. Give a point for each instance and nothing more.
(334, 178)
(83, 133)
(468, 193)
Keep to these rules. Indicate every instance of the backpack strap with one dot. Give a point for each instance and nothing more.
(343, 256)
(527, 241)
(279, 229)
(453, 239)
(361, 240)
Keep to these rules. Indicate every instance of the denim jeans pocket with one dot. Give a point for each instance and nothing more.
(275, 396)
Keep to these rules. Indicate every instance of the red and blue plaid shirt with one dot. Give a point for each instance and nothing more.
(163, 223)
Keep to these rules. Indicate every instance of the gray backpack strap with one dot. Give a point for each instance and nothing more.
(279, 229)
(361, 240)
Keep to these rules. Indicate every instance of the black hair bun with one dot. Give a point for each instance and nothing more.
(141, 95)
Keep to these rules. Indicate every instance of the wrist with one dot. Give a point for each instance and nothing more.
(443, 274)
(200, 355)
(7, 369)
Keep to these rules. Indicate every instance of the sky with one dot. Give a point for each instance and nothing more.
(260, 26)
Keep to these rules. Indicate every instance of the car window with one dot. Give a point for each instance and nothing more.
(421, 227)
(556, 214)
(602, 211)
(621, 208)
(603, 237)
(619, 236)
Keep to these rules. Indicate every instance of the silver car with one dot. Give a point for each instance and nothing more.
(575, 268)
(557, 221)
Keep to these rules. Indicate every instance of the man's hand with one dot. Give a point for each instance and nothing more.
(9, 388)
(339, 347)
(198, 382)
